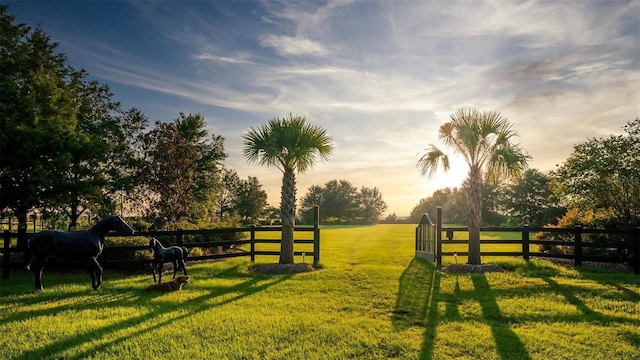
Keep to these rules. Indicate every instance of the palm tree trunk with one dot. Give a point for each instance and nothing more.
(474, 207)
(287, 213)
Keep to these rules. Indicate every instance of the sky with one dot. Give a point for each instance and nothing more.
(379, 76)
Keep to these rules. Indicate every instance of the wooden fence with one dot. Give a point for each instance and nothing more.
(252, 236)
(629, 250)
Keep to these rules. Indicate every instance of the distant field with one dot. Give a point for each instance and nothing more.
(369, 300)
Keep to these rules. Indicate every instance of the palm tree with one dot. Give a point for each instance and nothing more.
(291, 145)
(484, 141)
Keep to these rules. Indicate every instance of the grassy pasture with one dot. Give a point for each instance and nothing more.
(370, 300)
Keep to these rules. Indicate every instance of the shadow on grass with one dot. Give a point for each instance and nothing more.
(417, 305)
(158, 315)
(422, 302)
(417, 302)
(508, 344)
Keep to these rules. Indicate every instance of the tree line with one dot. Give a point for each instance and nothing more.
(343, 203)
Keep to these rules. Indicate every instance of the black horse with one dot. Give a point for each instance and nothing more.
(161, 254)
(84, 246)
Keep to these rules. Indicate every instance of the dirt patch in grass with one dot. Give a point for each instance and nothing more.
(283, 268)
(468, 268)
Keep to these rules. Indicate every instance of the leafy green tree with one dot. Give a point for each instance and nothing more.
(604, 174)
(370, 205)
(313, 197)
(270, 215)
(339, 201)
(451, 200)
(343, 203)
(483, 139)
(65, 143)
(528, 199)
(37, 117)
(100, 159)
(251, 199)
(292, 145)
(227, 198)
(181, 170)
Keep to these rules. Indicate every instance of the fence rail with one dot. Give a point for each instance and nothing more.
(630, 249)
(255, 233)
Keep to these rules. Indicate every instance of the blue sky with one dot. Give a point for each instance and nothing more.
(380, 76)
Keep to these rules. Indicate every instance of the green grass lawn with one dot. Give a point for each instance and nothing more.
(370, 300)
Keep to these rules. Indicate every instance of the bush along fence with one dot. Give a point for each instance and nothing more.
(577, 243)
(211, 244)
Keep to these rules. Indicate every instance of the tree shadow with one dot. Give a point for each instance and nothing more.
(422, 302)
(417, 303)
(249, 284)
(508, 344)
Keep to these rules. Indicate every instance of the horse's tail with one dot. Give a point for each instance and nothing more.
(185, 252)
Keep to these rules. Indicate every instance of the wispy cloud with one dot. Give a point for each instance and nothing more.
(287, 45)
(223, 59)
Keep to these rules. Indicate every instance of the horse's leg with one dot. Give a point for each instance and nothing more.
(96, 272)
(37, 273)
(175, 267)
(183, 264)
(153, 271)
(160, 269)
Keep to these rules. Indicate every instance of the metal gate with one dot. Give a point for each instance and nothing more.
(426, 239)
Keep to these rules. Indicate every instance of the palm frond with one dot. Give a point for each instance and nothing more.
(289, 143)
(432, 160)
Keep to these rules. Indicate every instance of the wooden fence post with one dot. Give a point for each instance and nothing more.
(179, 236)
(439, 235)
(316, 234)
(577, 252)
(525, 242)
(253, 243)
(6, 259)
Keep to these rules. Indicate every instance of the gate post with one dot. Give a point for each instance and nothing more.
(253, 243)
(525, 242)
(577, 252)
(179, 236)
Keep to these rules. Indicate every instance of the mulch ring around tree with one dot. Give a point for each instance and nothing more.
(468, 268)
(282, 268)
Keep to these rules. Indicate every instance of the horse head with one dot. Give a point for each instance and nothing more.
(153, 243)
(121, 226)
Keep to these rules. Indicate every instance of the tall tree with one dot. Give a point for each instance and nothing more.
(339, 201)
(483, 139)
(182, 170)
(370, 205)
(292, 145)
(604, 174)
(343, 203)
(37, 116)
(227, 197)
(313, 197)
(65, 143)
(452, 201)
(528, 199)
(251, 199)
